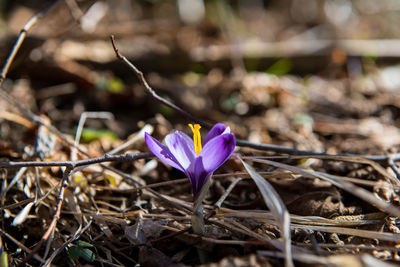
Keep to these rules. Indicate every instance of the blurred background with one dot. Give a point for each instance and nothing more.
(300, 65)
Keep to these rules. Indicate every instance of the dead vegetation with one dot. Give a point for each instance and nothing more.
(314, 179)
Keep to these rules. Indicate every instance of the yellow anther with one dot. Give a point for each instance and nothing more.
(196, 137)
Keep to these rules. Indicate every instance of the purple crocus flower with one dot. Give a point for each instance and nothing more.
(196, 159)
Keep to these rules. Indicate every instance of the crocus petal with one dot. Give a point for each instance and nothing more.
(181, 146)
(162, 152)
(197, 176)
(215, 131)
(218, 146)
(201, 177)
(217, 151)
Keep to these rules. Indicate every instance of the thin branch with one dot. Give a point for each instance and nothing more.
(77, 163)
(218, 204)
(50, 230)
(292, 151)
(19, 244)
(27, 113)
(22, 35)
(105, 115)
(239, 142)
(37, 119)
(17, 176)
(76, 235)
(150, 90)
(70, 165)
(139, 136)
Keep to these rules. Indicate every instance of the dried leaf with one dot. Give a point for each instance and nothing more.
(277, 208)
(22, 215)
(347, 186)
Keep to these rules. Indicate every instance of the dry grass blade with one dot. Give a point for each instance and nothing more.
(150, 90)
(120, 211)
(139, 136)
(277, 208)
(345, 260)
(373, 164)
(371, 218)
(104, 115)
(233, 225)
(227, 192)
(359, 192)
(18, 176)
(352, 232)
(24, 32)
(349, 187)
(360, 247)
(18, 204)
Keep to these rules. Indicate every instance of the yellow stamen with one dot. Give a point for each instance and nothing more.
(196, 137)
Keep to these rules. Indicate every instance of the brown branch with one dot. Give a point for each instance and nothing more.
(70, 165)
(150, 90)
(240, 142)
(77, 163)
(384, 159)
(22, 35)
(27, 113)
(37, 119)
(19, 244)
(49, 232)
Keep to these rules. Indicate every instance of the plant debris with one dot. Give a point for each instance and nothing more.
(313, 180)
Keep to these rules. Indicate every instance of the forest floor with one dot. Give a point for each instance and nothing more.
(317, 121)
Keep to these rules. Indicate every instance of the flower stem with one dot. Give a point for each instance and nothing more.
(198, 220)
(197, 216)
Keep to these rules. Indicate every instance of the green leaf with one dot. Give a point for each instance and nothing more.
(87, 254)
(75, 252)
(369, 59)
(89, 134)
(280, 67)
(84, 244)
(111, 84)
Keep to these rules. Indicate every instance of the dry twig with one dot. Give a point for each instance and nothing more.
(21, 38)
(239, 142)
